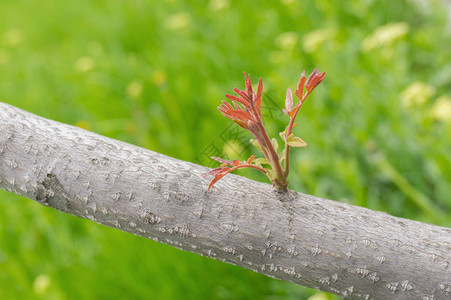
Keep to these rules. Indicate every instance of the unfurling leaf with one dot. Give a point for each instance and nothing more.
(256, 144)
(262, 161)
(250, 159)
(218, 176)
(283, 134)
(219, 173)
(238, 99)
(215, 171)
(271, 174)
(300, 90)
(274, 143)
(282, 156)
(237, 114)
(288, 102)
(241, 123)
(314, 79)
(295, 141)
(253, 128)
(248, 84)
(258, 97)
(223, 161)
(232, 113)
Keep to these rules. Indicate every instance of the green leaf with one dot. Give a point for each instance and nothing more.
(261, 161)
(257, 164)
(295, 141)
(282, 156)
(274, 143)
(256, 144)
(283, 134)
(271, 174)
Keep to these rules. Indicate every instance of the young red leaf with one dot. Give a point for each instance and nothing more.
(314, 79)
(225, 105)
(237, 106)
(219, 176)
(223, 161)
(300, 90)
(234, 114)
(241, 114)
(248, 85)
(242, 94)
(258, 97)
(311, 76)
(238, 99)
(241, 124)
(236, 163)
(250, 159)
(214, 171)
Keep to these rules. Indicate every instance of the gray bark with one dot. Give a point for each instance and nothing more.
(330, 246)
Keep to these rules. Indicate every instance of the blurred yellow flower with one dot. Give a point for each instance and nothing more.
(233, 149)
(385, 35)
(84, 64)
(13, 37)
(177, 21)
(217, 5)
(418, 93)
(83, 124)
(41, 284)
(441, 110)
(319, 296)
(287, 40)
(134, 89)
(287, 2)
(158, 77)
(313, 40)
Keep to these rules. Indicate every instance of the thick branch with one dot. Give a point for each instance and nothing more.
(327, 245)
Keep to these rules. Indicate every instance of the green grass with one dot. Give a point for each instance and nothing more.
(152, 73)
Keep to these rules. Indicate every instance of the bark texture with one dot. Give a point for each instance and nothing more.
(343, 249)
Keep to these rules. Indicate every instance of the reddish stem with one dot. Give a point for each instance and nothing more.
(249, 166)
(267, 146)
(289, 129)
(274, 158)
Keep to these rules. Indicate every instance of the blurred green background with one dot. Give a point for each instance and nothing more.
(152, 73)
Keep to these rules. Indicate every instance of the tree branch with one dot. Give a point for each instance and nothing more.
(343, 249)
